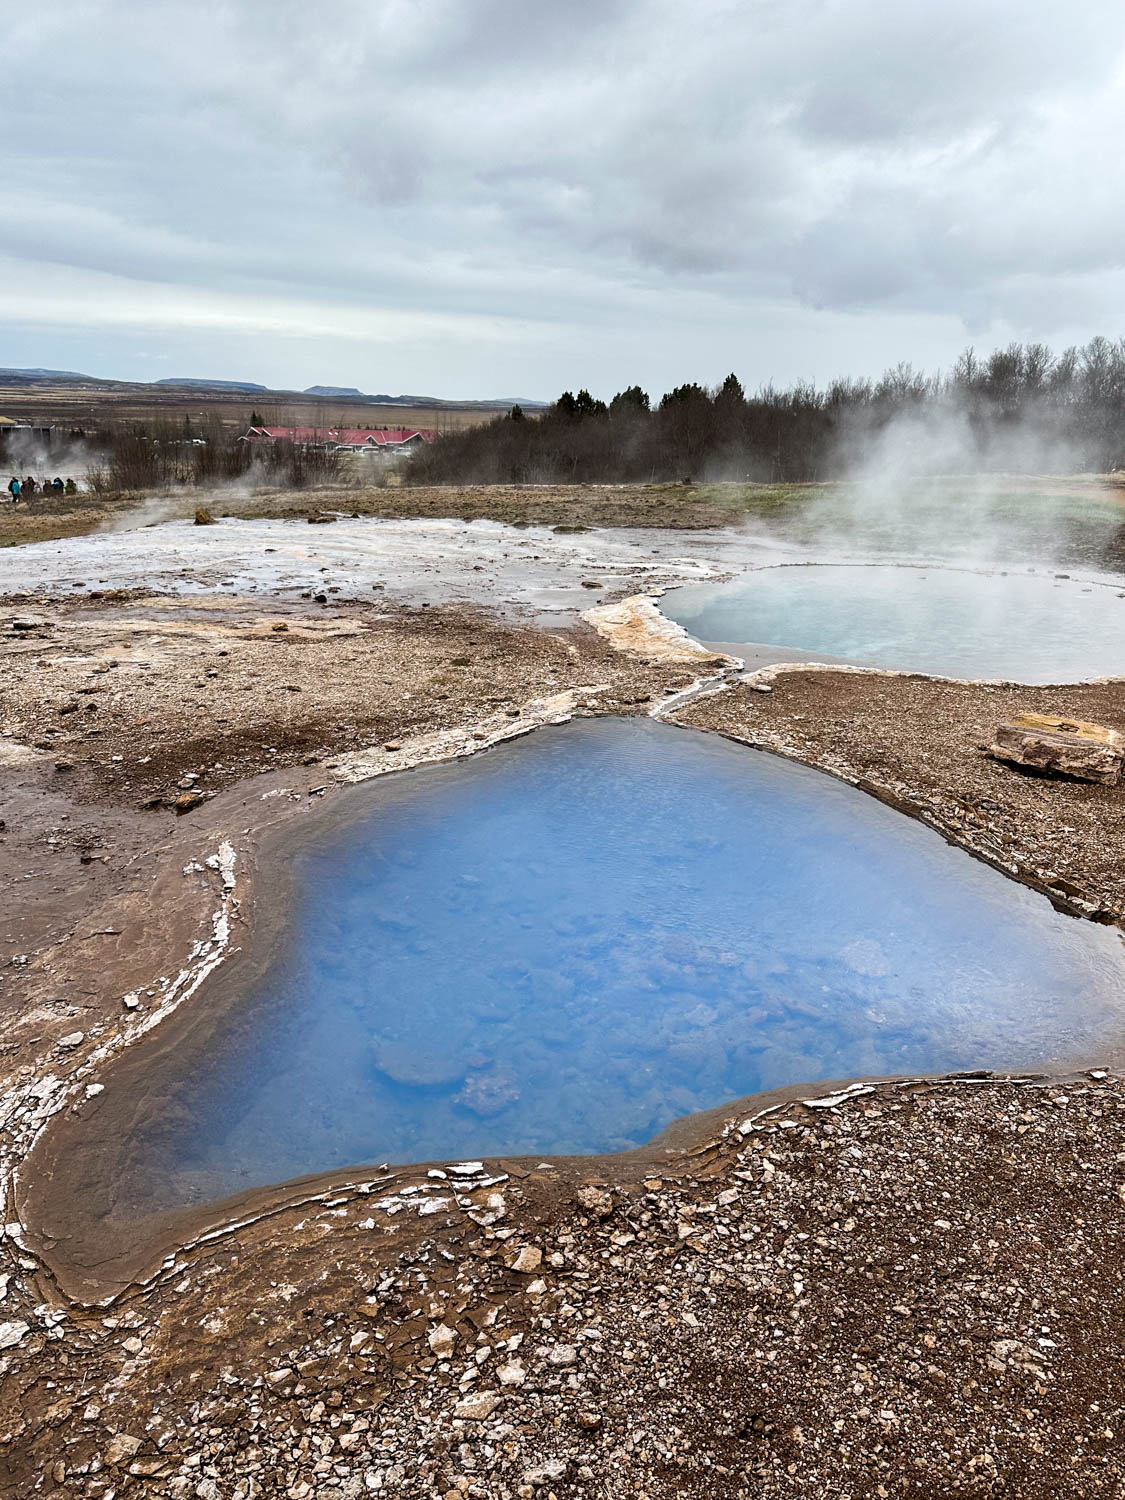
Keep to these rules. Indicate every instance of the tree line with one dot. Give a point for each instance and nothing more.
(1023, 406)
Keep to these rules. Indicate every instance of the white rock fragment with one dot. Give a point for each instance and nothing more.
(528, 1260)
(441, 1340)
(512, 1374)
(122, 1448)
(832, 1101)
(94, 1089)
(71, 1040)
(433, 1205)
(13, 1333)
(547, 1473)
(476, 1408)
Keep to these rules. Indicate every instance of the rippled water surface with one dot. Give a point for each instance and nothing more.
(1018, 626)
(562, 945)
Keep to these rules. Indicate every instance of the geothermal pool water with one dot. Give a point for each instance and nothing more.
(1021, 627)
(564, 944)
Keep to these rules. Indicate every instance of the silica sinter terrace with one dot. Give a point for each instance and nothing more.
(957, 623)
(564, 944)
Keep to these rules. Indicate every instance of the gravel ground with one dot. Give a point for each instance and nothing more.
(910, 1290)
(916, 1290)
(125, 697)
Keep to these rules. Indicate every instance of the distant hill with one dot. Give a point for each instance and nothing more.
(12, 377)
(7, 373)
(218, 385)
(494, 401)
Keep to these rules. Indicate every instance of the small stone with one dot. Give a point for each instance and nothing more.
(511, 1374)
(476, 1408)
(549, 1472)
(441, 1340)
(392, 745)
(71, 1040)
(528, 1260)
(563, 1355)
(596, 1201)
(278, 1377)
(589, 1421)
(122, 1448)
(58, 1471)
(12, 1333)
(186, 801)
(280, 628)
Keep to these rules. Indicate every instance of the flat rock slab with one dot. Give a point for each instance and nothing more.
(1062, 747)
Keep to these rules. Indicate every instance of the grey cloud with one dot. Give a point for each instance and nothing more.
(581, 166)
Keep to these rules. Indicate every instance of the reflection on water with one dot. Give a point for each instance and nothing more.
(1018, 626)
(564, 944)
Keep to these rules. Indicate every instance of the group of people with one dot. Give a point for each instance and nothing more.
(24, 489)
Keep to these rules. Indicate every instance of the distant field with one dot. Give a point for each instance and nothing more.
(1040, 510)
(85, 406)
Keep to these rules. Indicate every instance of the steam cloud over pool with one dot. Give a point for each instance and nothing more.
(567, 943)
(1021, 627)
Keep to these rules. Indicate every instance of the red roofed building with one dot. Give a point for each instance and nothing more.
(344, 439)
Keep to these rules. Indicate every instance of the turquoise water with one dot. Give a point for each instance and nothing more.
(1022, 627)
(564, 944)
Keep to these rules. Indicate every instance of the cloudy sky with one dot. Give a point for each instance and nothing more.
(485, 198)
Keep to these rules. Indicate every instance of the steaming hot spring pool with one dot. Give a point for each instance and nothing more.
(563, 944)
(1021, 627)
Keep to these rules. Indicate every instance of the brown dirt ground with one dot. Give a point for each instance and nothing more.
(916, 1292)
(128, 697)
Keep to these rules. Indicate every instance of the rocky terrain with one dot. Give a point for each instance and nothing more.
(900, 1288)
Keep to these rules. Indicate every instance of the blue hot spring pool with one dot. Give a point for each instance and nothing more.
(1021, 627)
(564, 944)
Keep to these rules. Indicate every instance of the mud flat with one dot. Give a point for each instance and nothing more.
(914, 1287)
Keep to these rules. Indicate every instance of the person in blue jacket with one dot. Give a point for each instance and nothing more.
(14, 490)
